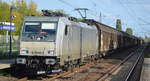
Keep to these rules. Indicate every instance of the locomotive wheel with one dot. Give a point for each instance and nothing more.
(103, 55)
(14, 69)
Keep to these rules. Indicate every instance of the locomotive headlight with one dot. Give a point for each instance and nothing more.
(21, 60)
(24, 51)
(51, 52)
(50, 61)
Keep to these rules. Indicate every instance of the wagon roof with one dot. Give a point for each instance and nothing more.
(104, 26)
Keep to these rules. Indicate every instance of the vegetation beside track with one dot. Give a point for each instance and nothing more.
(4, 72)
(5, 56)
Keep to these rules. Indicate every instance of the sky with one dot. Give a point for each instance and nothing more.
(133, 13)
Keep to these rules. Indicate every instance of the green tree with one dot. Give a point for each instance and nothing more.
(118, 25)
(4, 16)
(129, 31)
(32, 9)
(24, 10)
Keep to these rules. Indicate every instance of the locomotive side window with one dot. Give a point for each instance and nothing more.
(66, 29)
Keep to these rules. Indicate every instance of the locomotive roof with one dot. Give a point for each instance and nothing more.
(41, 18)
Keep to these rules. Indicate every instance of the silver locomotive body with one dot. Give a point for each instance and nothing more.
(50, 44)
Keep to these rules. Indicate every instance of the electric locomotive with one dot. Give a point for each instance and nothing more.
(53, 44)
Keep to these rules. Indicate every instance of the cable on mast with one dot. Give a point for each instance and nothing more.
(80, 10)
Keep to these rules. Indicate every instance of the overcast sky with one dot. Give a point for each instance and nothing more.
(133, 13)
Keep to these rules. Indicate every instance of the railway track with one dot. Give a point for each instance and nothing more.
(113, 69)
(102, 75)
(119, 65)
(129, 73)
(94, 71)
(55, 76)
(98, 74)
(133, 68)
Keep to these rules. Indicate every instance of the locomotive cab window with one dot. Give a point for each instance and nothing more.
(39, 31)
(66, 29)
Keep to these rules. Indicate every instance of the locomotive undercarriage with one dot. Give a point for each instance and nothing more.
(34, 65)
(69, 65)
(37, 64)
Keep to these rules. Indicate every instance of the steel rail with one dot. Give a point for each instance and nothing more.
(69, 72)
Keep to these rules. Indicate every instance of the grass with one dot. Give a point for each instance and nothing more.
(147, 55)
(147, 51)
(4, 73)
(4, 56)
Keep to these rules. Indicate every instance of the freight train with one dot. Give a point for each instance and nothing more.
(55, 44)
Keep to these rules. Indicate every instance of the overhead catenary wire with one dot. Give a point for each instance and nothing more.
(98, 13)
(73, 7)
(66, 3)
(135, 2)
(130, 10)
(70, 5)
(130, 13)
(91, 12)
(139, 18)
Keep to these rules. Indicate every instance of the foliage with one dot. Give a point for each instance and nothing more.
(129, 31)
(24, 10)
(4, 10)
(118, 25)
